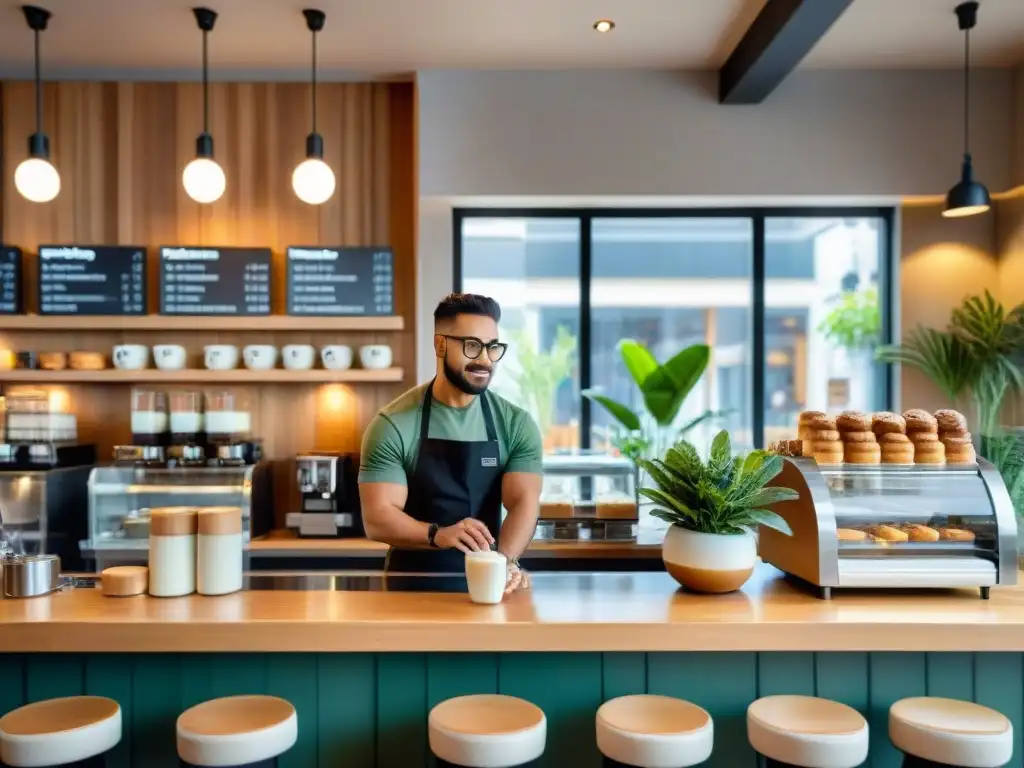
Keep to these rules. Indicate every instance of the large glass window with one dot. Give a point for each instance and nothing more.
(811, 282)
(531, 266)
(823, 318)
(670, 283)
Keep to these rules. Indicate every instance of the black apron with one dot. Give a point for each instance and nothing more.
(451, 480)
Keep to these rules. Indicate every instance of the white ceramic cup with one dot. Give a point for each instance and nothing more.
(130, 357)
(259, 357)
(298, 357)
(336, 357)
(375, 356)
(486, 574)
(169, 357)
(220, 357)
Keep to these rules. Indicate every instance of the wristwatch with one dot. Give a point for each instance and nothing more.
(431, 533)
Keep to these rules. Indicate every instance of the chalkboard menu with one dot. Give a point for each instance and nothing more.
(92, 280)
(10, 280)
(340, 281)
(196, 280)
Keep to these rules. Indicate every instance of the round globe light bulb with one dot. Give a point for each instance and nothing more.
(204, 180)
(37, 180)
(313, 181)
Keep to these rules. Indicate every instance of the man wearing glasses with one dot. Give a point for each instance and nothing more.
(440, 462)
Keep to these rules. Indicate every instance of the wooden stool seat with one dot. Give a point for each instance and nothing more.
(648, 731)
(951, 732)
(236, 730)
(59, 731)
(807, 731)
(487, 731)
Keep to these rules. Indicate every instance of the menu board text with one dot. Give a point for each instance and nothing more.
(92, 280)
(214, 281)
(340, 281)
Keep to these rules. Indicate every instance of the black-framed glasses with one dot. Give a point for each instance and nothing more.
(472, 347)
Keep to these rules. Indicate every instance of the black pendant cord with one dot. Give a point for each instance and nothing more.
(206, 86)
(967, 92)
(39, 87)
(313, 81)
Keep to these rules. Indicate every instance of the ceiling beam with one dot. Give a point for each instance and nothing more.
(782, 34)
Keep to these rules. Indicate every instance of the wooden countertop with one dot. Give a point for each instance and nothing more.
(286, 543)
(564, 612)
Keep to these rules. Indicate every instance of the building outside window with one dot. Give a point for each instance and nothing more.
(792, 304)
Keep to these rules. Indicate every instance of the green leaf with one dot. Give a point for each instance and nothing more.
(621, 413)
(674, 504)
(706, 416)
(764, 497)
(666, 388)
(770, 519)
(638, 359)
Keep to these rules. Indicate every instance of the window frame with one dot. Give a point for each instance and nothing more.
(888, 281)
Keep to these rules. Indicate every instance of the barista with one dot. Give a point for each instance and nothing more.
(440, 462)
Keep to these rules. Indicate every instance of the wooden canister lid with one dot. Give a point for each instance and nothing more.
(124, 580)
(172, 521)
(218, 521)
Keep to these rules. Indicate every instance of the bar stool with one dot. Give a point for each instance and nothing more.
(931, 731)
(645, 731)
(486, 731)
(72, 731)
(807, 731)
(237, 731)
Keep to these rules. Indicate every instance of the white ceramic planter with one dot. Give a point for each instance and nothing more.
(707, 562)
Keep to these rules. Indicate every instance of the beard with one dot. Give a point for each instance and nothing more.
(458, 379)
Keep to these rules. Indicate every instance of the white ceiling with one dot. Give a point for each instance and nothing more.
(267, 39)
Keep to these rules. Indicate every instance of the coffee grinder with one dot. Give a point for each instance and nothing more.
(329, 496)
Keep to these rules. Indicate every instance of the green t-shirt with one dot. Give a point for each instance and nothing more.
(392, 440)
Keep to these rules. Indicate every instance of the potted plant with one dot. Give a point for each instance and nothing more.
(714, 508)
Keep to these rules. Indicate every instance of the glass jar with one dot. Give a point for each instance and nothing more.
(186, 416)
(149, 417)
(227, 418)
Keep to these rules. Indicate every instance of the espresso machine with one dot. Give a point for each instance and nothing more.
(329, 496)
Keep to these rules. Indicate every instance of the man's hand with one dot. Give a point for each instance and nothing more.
(468, 535)
(516, 578)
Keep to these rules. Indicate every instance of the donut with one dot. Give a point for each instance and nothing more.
(923, 437)
(824, 436)
(958, 452)
(851, 534)
(894, 438)
(821, 421)
(898, 453)
(920, 421)
(955, 534)
(889, 533)
(827, 451)
(886, 422)
(920, 532)
(859, 437)
(808, 417)
(951, 421)
(862, 453)
(929, 453)
(853, 421)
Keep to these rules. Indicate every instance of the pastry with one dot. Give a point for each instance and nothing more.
(614, 509)
(862, 453)
(920, 532)
(792, 448)
(896, 448)
(959, 448)
(859, 437)
(805, 426)
(851, 534)
(819, 422)
(955, 534)
(853, 421)
(886, 422)
(920, 421)
(827, 451)
(951, 421)
(87, 361)
(888, 533)
(556, 510)
(53, 361)
(924, 437)
(825, 435)
(929, 452)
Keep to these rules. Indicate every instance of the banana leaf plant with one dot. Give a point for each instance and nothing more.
(663, 387)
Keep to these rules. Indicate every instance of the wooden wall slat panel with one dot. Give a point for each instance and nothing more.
(120, 149)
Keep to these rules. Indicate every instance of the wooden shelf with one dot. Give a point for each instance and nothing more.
(203, 376)
(198, 323)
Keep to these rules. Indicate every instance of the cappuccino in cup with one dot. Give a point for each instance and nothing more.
(485, 575)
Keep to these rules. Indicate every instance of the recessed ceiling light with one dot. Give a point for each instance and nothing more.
(604, 25)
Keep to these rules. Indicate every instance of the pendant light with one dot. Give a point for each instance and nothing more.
(35, 177)
(968, 197)
(313, 179)
(203, 179)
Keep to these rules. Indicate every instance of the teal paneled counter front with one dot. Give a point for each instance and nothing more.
(364, 668)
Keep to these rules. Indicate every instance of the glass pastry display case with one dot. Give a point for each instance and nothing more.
(895, 526)
(588, 496)
(120, 498)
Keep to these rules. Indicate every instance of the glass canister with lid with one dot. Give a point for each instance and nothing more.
(227, 417)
